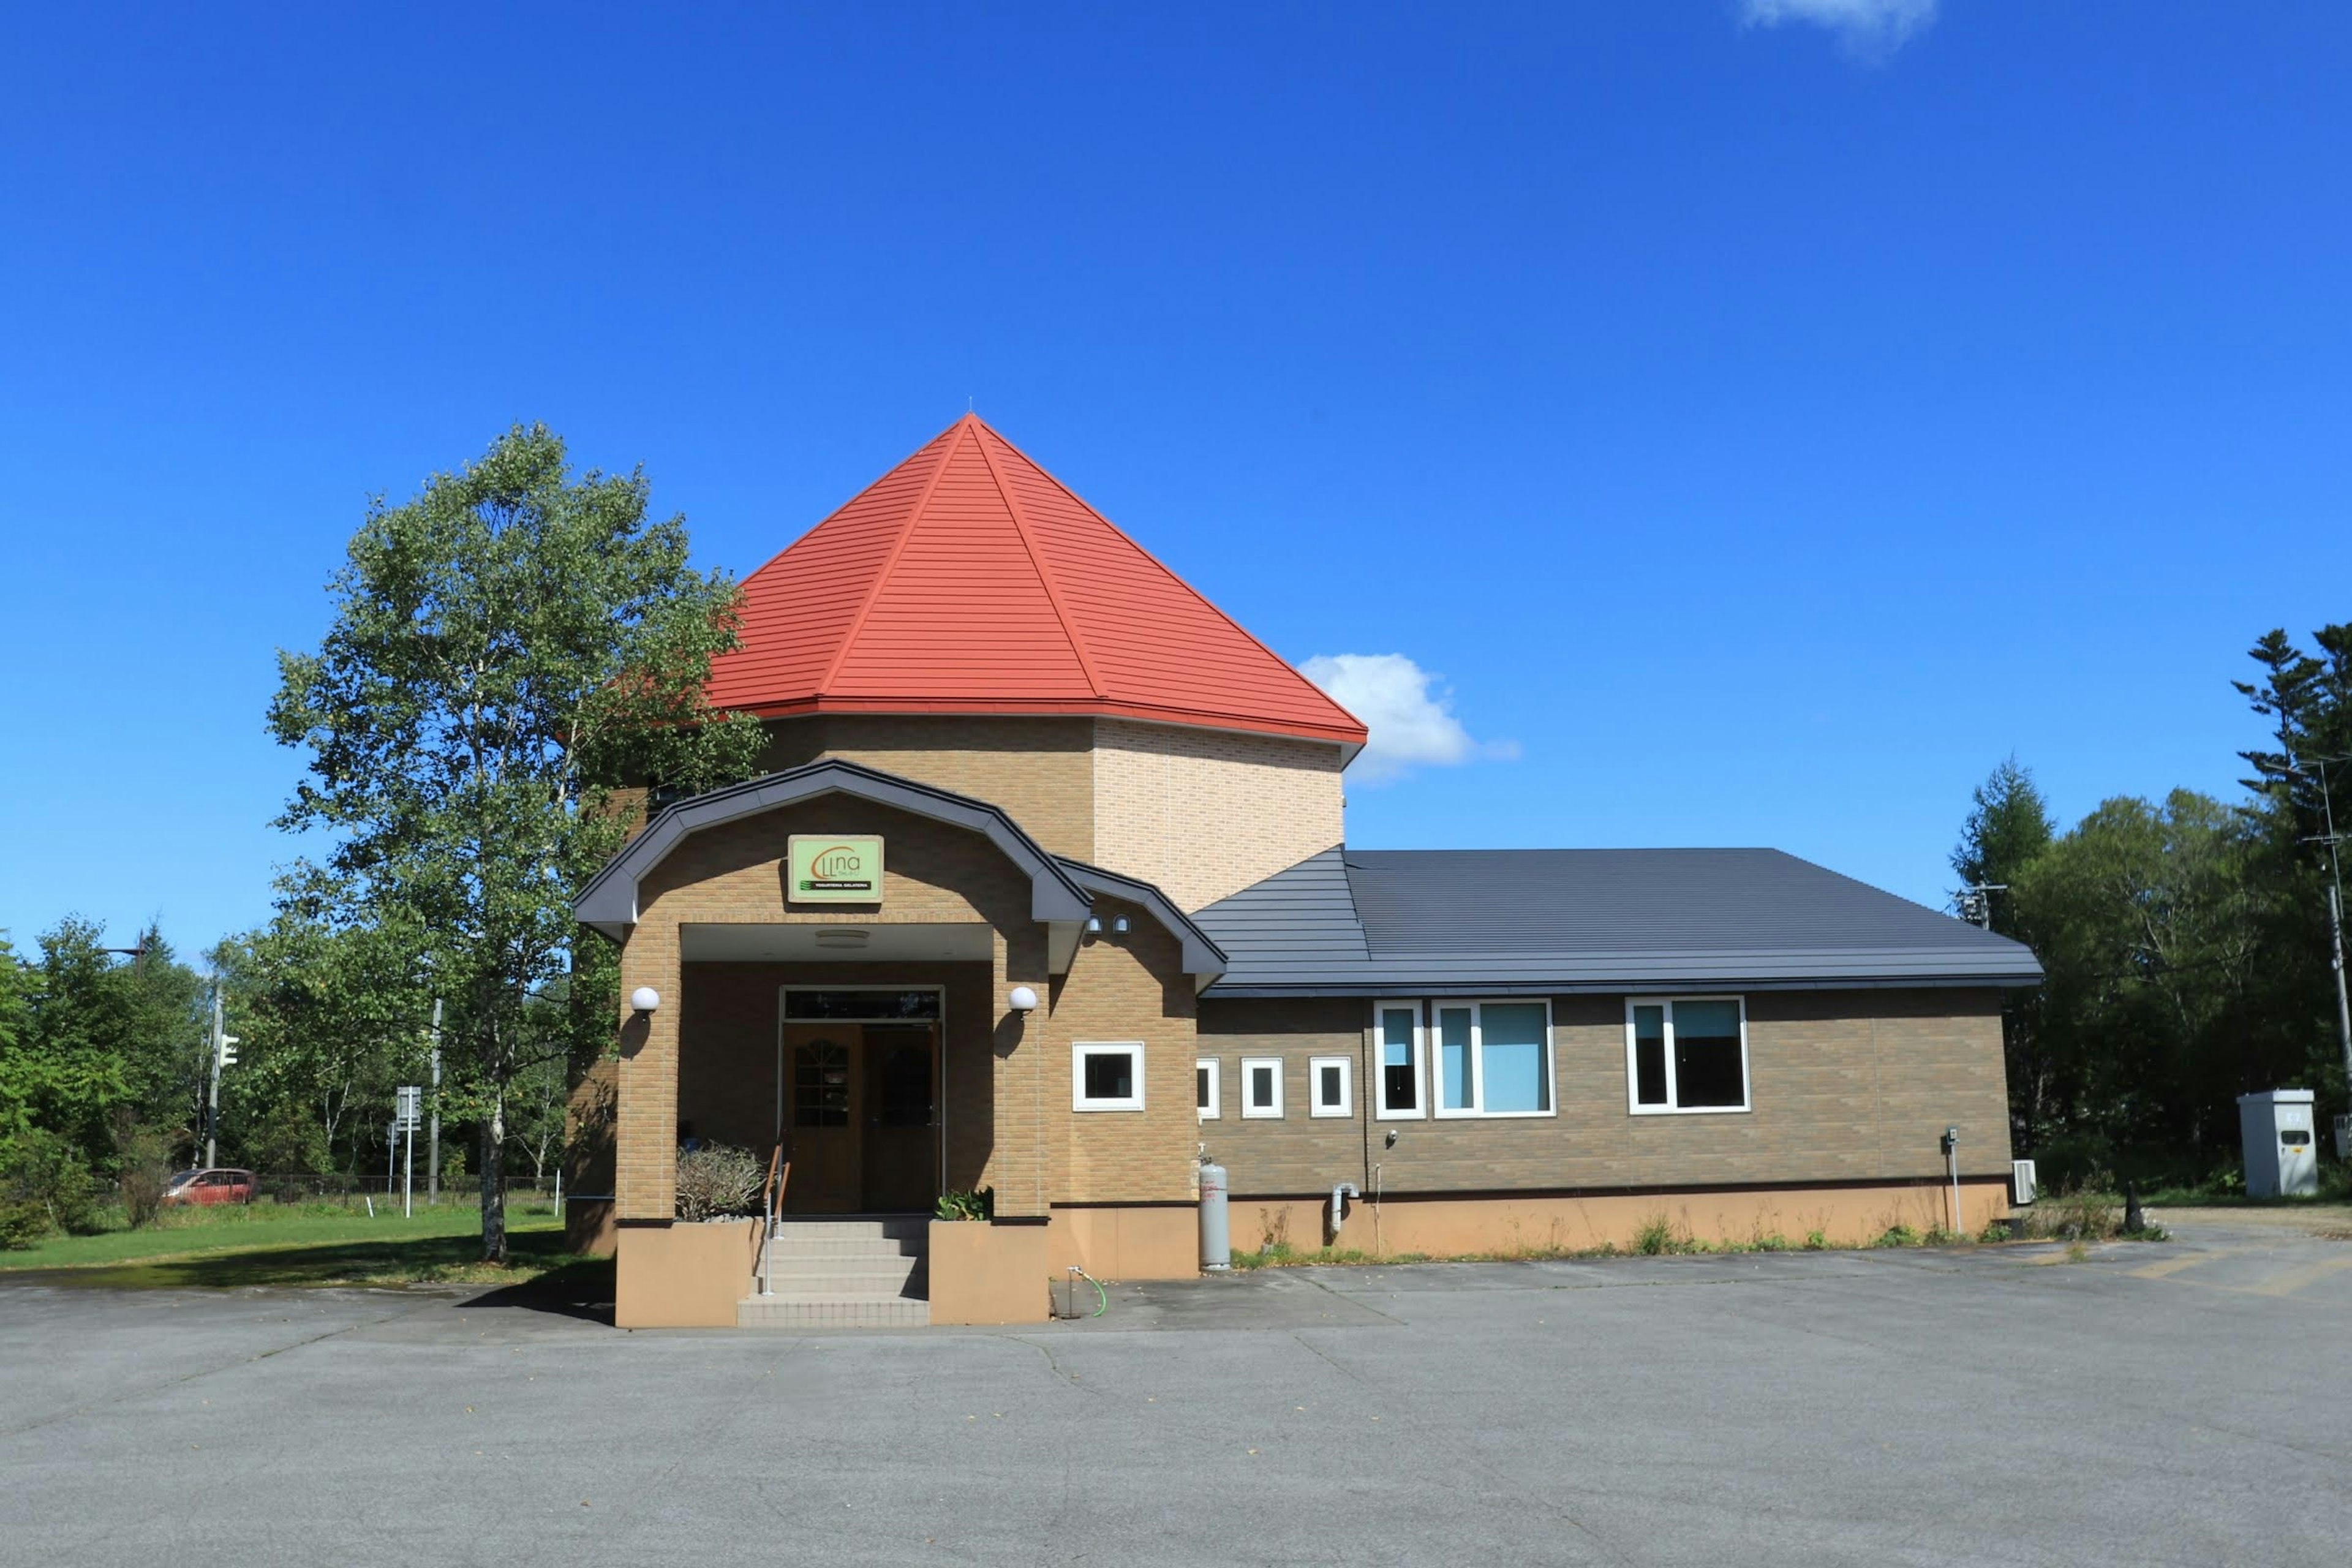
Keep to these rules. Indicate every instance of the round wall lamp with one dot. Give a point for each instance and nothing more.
(645, 999)
(1022, 999)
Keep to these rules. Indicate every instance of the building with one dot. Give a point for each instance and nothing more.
(1046, 887)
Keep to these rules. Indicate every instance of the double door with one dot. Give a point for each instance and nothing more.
(861, 1117)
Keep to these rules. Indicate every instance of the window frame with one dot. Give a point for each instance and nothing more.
(1215, 1109)
(1315, 1106)
(1381, 1109)
(1475, 1110)
(1254, 1113)
(1079, 1051)
(1633, 1105)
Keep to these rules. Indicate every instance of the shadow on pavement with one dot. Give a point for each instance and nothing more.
(583, 1290)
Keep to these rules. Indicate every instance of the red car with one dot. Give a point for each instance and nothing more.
(214, 1186)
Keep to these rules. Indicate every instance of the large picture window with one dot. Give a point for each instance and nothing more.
(1397, 1031)
(1494, 1058)
(1686, 1054)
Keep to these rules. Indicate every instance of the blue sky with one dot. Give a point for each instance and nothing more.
(1764, 418)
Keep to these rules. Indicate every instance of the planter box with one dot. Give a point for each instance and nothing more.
(988, 1273)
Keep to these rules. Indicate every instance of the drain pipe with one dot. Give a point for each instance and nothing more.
(1339, 1196)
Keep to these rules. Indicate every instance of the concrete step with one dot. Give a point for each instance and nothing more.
(817, 1243)
(897, 1226)
(834, 1313)
(814, 1277)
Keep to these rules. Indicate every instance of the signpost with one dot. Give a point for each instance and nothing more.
(224, 1055)
(408, 1110)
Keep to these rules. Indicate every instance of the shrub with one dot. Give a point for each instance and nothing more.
(978, 1204)
(145, 1172)
(1897, 1235)
(1816, 1241)
(1658, 1237)
(44, 1185)
(716, 1180)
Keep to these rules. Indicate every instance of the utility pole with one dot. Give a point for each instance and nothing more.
(224, 1055)
(1976, 902)
(433, 1154)
(2335, 900)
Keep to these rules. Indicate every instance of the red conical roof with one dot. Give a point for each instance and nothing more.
(968, 580)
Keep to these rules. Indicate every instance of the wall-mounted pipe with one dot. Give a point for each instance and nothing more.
(1339, 1196)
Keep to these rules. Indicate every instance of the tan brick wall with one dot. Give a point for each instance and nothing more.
(932, 874)
(1203, 814)
(1129, 987)
(1854, 1086)
(1038, 772)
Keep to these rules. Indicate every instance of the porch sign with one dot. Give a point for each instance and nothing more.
(827, 870)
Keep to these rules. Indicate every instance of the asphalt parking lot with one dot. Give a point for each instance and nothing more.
(2184, 1402)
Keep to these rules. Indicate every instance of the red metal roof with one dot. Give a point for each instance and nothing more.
(968, 580)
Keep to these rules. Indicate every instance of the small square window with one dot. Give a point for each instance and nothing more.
(1328, 1076)
(1107, 1076)
(1207, 1092)
(1262, 1086)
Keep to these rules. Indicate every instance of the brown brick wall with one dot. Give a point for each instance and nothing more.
(1853, 1086)
(1038, 772)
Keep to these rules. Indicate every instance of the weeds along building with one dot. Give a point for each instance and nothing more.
(1047, 886)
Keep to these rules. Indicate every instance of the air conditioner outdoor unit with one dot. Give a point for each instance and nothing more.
(2020, 1180)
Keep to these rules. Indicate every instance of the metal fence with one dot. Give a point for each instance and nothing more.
(306, 1187)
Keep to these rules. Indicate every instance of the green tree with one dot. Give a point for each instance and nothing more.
(2008, 829)
(332, 1020)
(2146, 922)
(509, 646)
(2307, 697)
(104, 1038)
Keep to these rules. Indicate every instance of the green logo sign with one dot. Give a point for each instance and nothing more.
(835, 870)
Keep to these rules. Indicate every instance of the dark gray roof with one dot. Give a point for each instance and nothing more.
(1398, 922)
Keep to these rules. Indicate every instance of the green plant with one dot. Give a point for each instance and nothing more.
(1657, 1236)
(144, 1172)
(45, 1186)
(1774, 1242)
(970, 1203)
(1897, 1235)
(1816, 1242)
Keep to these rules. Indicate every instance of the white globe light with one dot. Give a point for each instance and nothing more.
(644, 998)
(1024, 1000)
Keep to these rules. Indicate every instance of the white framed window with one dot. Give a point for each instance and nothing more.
(1396, 1061)
(1107, 1075)
(1262, 1086)
(1492, 1058)
(1207, 1092)
(1685, 1055)
(1329, 1091)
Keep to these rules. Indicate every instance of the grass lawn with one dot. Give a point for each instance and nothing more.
(305, 1244)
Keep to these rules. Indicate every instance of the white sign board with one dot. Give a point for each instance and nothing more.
(408, 1108)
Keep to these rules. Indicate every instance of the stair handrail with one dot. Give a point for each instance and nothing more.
(771, 1203)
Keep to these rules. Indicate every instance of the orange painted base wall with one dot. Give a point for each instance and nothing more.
(683, 1276)
(988, 1273)
(1451, 1227)
(1126, 1243)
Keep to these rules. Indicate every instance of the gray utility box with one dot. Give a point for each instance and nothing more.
(2281, 1155)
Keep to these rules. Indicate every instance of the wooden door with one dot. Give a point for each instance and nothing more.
(900, 1107)
(822, 1111)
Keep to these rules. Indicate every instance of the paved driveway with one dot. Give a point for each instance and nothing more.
(2187, 1401)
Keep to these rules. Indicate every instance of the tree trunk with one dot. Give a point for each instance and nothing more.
(494, 1186)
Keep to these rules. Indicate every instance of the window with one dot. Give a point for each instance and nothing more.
(821, 1084)
(1206, 1090)
(1686, 1053)
(1261, 1086)
(1329, 1088)
(1398, 1032)
(1107, 1076)
(1494, 1058)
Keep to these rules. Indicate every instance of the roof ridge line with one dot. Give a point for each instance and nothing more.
(1173, 575)
(954, 433)
(1037, 559)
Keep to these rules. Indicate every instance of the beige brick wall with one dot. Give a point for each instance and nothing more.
(932, 873)
(1038, 772)
(1204, 814)
(1854, 1086)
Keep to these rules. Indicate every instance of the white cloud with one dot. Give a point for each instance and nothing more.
(1409, 712)
(1870, 29)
